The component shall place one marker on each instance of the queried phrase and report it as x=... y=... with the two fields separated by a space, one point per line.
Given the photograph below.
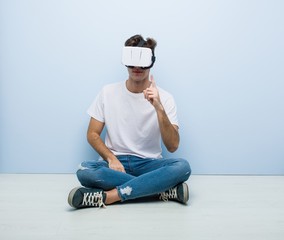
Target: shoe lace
x=94 y=199
x=170 y=194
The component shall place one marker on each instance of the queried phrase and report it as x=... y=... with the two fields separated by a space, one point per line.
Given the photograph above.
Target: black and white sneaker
x=179 y=193
x=81 y=197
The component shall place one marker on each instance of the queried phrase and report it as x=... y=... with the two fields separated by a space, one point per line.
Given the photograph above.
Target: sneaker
x=81 y=197
x=179 y=193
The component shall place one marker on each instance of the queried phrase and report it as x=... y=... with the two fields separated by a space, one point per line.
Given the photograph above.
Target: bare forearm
x=169 y=133
x=97 y=143
x=93 y=135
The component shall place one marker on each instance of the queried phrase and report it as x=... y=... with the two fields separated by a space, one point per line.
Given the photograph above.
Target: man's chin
x=138 y=79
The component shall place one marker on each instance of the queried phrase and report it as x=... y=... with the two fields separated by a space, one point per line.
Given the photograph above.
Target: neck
x=137 y=86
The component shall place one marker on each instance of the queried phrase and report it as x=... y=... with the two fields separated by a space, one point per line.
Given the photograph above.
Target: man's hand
x=116 y=165
x=152 y=94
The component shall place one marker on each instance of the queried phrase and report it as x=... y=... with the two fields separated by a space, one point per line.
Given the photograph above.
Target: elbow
x=173 y=145
x=172 y=148
x=89 y=138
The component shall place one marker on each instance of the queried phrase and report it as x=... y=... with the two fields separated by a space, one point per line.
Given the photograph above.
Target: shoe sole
x=71 y=195
x=186 y=192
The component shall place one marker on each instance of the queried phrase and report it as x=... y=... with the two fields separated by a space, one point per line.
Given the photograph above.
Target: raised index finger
x=153 y=83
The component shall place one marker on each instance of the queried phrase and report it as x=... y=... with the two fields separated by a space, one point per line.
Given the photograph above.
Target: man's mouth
x=137 y=71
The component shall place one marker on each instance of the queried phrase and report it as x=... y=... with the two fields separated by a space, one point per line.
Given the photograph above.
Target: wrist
x=111 y=159
x=159 y=107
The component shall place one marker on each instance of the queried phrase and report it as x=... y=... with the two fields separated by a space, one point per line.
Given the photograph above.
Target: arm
x=93 y=135
x=169 y=132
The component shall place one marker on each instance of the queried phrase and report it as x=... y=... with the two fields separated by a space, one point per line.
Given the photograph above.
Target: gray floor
x=221 y=207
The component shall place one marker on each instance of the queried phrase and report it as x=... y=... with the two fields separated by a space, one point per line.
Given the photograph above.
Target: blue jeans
x=143 y=177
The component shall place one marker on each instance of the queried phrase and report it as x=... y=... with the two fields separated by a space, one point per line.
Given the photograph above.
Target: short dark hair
x=135 y=40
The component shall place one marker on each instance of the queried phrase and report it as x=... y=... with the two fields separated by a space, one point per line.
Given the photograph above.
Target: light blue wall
x=222 y=60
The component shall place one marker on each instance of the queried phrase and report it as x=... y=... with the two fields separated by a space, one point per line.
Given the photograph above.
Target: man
x=137 y=115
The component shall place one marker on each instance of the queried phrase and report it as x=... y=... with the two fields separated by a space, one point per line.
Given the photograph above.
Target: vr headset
x=138 y=56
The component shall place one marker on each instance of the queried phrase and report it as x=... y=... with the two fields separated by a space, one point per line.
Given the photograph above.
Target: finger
x=148 y=94
x=121 y=169
x=153 y=83
x=145 y=93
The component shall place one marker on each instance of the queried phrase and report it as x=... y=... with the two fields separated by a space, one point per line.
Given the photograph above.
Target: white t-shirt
x=131 y=121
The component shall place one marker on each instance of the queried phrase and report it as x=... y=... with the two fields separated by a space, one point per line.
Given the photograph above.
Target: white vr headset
x=138 y=57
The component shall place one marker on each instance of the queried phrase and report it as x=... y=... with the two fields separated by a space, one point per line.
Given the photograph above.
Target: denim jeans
x=143 y=177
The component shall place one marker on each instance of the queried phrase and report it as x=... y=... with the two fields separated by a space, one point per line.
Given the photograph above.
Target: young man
x=137 y=115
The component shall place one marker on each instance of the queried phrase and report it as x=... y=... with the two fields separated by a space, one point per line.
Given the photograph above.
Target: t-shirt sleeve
x=96 y=110
x=171 y=110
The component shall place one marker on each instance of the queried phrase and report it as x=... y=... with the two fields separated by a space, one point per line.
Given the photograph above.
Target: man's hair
x=135 y=40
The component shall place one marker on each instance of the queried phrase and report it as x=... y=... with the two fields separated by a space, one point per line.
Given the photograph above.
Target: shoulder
x=165 y=95
x=112 y=88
